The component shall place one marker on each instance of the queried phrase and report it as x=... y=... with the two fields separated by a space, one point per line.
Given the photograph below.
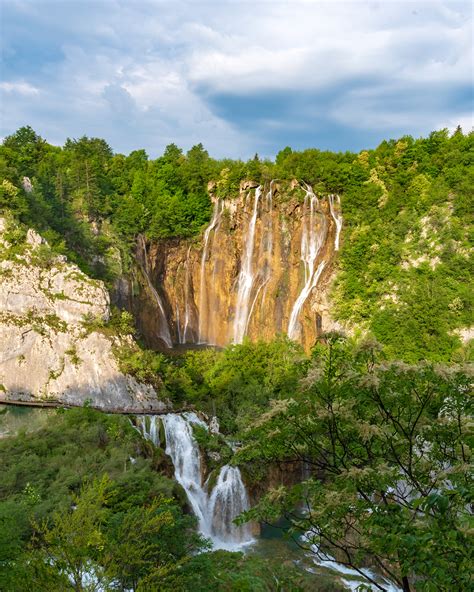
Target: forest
x=380 y=420
x=404 y=268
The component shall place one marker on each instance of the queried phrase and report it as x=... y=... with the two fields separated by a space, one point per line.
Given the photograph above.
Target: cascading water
x=178 y=324
x=257 y=268
x=184 y=452
x=187 y=310
x=216 y=510
x=148 y=426
x=203 y=296
x=266 y=251
x=336 y=217
x=164 y=332
x=363 y=576
x=246 y=276
x=311 y=243
x=228 y=500
x=184 y=332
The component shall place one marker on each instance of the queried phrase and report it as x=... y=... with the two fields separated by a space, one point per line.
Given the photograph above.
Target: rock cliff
x=46 y=351
x=263 y=266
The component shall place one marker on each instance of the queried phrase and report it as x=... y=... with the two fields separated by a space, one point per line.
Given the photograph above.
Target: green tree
x=74 y=540
x=389 y=447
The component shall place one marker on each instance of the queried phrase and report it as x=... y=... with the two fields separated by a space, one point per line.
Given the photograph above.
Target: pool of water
x=17 y=418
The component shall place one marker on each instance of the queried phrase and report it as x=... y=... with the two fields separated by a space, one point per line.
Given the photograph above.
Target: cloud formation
x=238 y=76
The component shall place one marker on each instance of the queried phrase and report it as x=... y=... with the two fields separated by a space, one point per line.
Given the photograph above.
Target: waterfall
x=246 y=275
x=266 y=251
x=228 y=500
x=148 y=426
x=187 y=311
x=214 y=510
x=164 y=332
x=178 y=325
x=311 y=243
x=184 y=452
x=203 y=301
x=337 y=219
x=359 y=577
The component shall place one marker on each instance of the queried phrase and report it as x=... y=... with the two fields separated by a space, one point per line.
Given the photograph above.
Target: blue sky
x=240 y=77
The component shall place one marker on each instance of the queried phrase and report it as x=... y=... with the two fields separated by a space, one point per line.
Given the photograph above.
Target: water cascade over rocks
x=263 y=267
x=336 y=216
x=312 y=239
x=246 y=275
x=360 y=577
x=216 y=509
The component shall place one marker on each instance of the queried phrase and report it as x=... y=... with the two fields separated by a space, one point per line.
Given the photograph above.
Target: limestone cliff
x=46 y=353
x=263 y=266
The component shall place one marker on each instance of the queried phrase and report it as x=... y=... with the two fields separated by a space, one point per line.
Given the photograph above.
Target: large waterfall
x=312 y=239
x=263 y=267
x=215 y=509
x=246 y=275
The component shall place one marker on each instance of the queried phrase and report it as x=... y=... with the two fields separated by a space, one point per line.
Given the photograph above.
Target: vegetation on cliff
x=404 y=263
x=85 y=503
x=387 y=449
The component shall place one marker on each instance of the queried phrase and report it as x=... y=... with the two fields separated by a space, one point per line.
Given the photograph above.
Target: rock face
x=46 y=353
x=263 y=266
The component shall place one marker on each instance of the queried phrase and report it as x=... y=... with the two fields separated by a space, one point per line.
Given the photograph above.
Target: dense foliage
x=234 y=383
x=405 y=263
x=85 y=504
x=388 y=447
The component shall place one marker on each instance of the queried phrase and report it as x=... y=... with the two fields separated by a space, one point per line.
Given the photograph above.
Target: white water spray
x=336 y=216
x=246 y=276
x=148 y=426
x=214 y=510
x=184 y=452
x=362 y=577
x=228 y=500
x=311 y=243
x=187 y=310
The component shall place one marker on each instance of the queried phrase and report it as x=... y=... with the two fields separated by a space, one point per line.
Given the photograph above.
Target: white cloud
x=145 y=73
x=465 y=120
x=19 y=88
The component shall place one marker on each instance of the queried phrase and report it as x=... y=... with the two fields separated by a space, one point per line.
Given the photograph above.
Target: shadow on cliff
x=110 y=398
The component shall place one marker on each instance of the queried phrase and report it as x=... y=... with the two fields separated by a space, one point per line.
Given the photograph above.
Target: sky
x=240 y=77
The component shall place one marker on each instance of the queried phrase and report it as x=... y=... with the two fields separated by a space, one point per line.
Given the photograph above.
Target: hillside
x=402 y=271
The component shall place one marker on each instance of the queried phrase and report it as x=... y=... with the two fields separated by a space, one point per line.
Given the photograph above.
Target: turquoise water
x=16 y=418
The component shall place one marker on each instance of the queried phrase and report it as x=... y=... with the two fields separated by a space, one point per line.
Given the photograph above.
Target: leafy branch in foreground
x=389 y=449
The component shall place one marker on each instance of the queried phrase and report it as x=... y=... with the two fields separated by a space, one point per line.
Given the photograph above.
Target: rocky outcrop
x=263 y=266
x=47 y=351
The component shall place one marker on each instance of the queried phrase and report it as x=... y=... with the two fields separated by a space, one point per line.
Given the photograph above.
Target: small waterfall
x=149 y=427
x=228 y=500
x=178 y=324
x=187 y=310
x=164 y=332
x=311 y=243
x=246 y=275
x=203 y=296
x=214 y=510
x=266 y=252
x=184 y=452
x=336 y=217
x=358 y=577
